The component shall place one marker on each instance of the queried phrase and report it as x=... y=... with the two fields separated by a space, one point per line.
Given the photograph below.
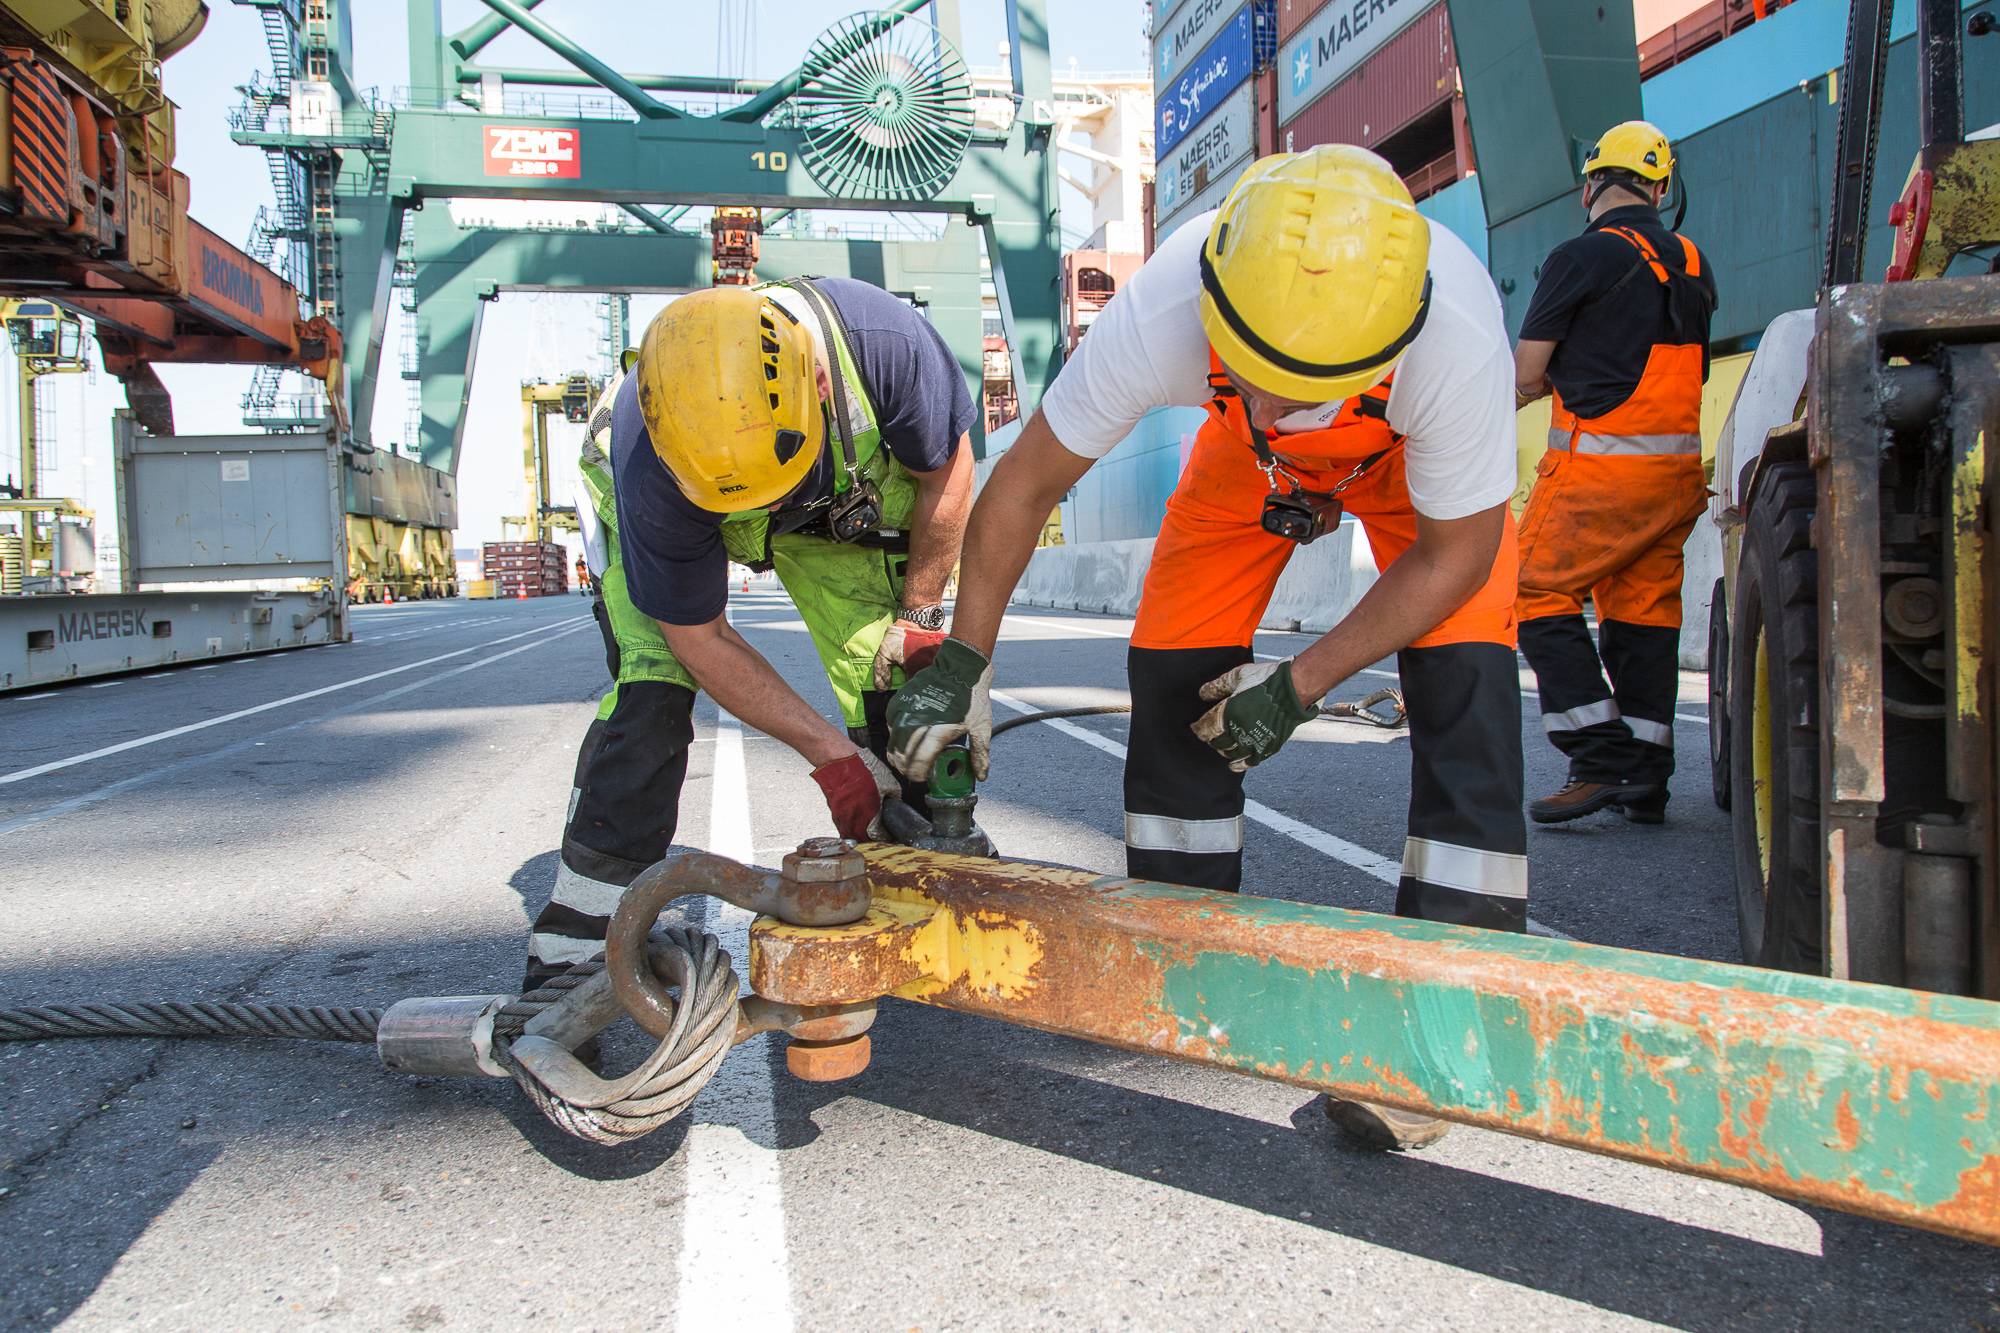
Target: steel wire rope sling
x=1363 y=709
x=677 y=983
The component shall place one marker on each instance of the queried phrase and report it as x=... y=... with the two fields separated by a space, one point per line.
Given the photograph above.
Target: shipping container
x=1399 y=103
x=1292 y=15
x=1206 y=82
x=1267 y=140
x=1177 y=40
x=1338 y=38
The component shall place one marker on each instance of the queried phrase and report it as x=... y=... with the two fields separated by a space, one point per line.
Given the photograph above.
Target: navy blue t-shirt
x=675 y=567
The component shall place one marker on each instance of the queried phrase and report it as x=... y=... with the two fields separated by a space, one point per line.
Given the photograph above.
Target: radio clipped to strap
x=855 y=511
x=1290 y=510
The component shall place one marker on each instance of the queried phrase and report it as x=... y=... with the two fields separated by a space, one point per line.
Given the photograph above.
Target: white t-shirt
x=1453 y=395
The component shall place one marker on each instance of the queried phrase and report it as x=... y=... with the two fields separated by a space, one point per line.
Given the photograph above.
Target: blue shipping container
x=1210 y=77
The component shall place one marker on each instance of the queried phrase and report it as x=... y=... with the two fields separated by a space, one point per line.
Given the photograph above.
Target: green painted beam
x=472 y=39
x=1543 y=78
x=576 y=78
x=460 y=271
x=369 y=230
x=1870 y=1099
x=652 y=220
x=565 y=47
x=1028 y=60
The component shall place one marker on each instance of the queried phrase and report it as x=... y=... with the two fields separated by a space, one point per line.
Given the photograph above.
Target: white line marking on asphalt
x=210 y=667
x=46 y=694
x=1367 y=862
x=106 y=684
x=21 y=774
x=77 y=802
x=735 y=1267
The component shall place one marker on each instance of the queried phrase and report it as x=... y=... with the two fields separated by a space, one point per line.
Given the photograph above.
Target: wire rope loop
x=703 y=987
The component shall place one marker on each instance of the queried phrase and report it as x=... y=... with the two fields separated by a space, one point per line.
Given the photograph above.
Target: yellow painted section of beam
x=1968 y=486
x=988 y=952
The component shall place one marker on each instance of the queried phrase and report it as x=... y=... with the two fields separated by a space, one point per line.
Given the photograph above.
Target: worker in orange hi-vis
x=1353 y=360
x=1618 y=331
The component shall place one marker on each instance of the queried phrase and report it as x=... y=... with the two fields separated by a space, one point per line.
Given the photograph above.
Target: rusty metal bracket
x=1869 y=1099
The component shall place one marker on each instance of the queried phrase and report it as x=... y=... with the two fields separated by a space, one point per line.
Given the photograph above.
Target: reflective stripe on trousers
x=1606 y=710
x=1625 y=446
x=581 y=893
x=1652 y=733
x=1466 y=869
x=1576 y=719
x=1163 y=833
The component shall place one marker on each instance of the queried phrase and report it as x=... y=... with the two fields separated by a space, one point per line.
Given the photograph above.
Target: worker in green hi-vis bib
x=817 y=428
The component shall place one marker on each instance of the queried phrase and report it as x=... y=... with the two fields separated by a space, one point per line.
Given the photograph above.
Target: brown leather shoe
x=1579 y=797
x=1384 y=1128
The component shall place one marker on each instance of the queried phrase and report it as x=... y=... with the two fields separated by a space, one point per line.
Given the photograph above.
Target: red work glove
x=905 y=646
x=855 y=788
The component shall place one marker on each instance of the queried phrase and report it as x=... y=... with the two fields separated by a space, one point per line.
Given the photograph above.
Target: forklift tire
x=1718 y=695
x=1774 y=737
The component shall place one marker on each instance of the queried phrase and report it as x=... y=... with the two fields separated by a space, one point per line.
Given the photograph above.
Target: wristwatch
x=924 y=617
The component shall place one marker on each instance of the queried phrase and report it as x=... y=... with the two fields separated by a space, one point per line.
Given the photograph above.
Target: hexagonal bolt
x=827 y=1061
x=824 y=861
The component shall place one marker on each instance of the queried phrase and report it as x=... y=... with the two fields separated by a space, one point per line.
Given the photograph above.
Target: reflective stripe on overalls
x=1212 y=574
x=625 y=799
x=1614 y=500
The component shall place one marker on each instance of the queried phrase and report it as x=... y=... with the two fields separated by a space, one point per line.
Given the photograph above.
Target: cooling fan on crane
x=886 y=108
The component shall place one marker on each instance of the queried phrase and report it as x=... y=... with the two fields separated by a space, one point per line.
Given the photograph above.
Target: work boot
x=1646 y=809
x=1580 y=797
x=1383 y=1128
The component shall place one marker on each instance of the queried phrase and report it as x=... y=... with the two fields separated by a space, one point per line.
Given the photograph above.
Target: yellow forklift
x=1852 y=640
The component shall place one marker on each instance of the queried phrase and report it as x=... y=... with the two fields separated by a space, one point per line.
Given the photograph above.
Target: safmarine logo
x=1220 y=68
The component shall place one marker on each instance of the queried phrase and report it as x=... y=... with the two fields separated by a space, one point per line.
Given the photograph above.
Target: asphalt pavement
x=356 y=824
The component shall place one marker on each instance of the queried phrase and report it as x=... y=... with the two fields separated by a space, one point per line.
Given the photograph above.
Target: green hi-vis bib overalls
x=625 y=802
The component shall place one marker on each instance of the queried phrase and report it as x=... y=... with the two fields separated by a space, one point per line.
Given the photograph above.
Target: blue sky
x=527 y=336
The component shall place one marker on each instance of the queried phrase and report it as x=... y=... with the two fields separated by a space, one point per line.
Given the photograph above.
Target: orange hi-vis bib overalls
x=1213 y=571
x=1614 y=500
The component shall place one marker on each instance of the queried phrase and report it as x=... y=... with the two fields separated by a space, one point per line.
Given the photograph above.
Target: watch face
x=928 y=617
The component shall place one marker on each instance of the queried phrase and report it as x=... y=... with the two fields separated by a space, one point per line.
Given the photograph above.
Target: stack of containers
x=1205 y=100
x=525 y=569
x=1362 y=73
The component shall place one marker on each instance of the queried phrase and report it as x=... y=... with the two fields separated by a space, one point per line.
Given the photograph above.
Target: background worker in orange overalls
x=1351 y=355
x=1618 y=328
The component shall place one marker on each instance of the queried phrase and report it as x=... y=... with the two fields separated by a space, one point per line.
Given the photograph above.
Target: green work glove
x=1256 y=711
x=948 y=699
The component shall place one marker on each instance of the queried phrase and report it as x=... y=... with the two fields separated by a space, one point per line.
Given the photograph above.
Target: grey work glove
x=950 y=698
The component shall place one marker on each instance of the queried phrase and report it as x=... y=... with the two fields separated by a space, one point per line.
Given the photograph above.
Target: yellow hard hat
x=1636 y=146
x=1315 y=273
x=727 y=388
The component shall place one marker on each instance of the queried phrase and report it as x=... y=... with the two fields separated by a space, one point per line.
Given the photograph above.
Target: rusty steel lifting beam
x=1868 y=1099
